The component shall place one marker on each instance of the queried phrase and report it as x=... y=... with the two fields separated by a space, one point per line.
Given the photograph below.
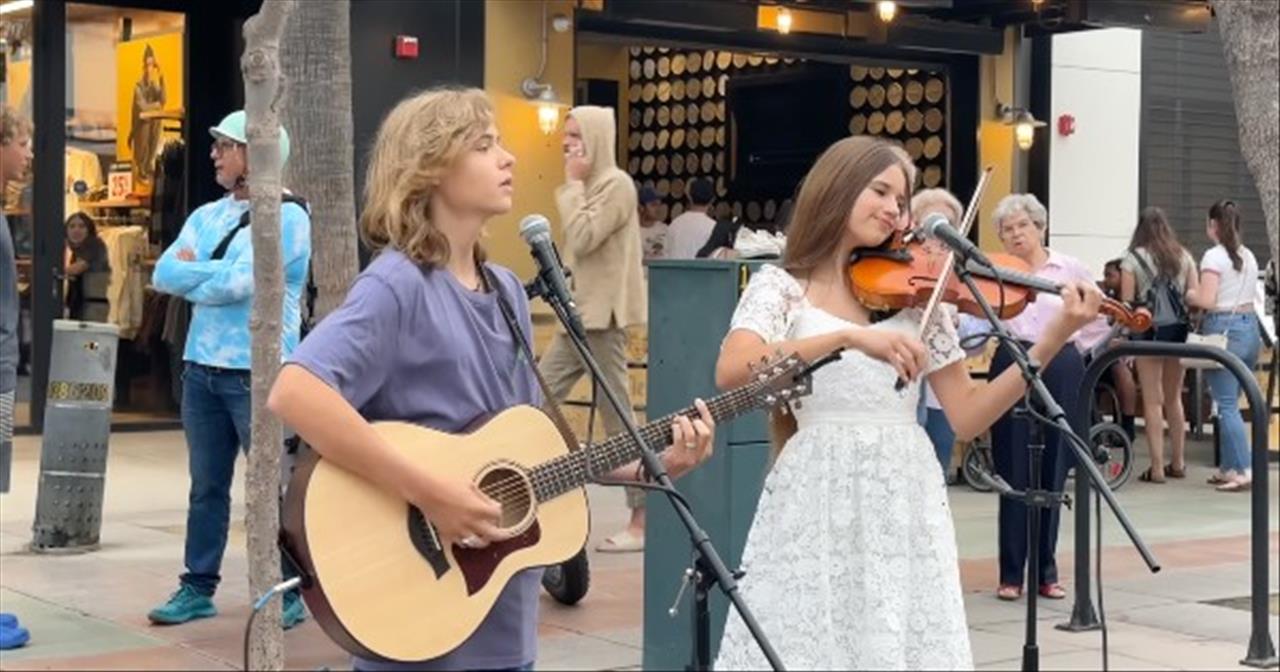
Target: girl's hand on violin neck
x=904 y=352
x=1080 y=304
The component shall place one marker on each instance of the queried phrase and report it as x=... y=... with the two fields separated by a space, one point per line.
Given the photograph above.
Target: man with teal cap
x=210 y=265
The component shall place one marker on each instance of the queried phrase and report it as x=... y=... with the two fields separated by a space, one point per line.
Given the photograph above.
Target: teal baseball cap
x=232 y=127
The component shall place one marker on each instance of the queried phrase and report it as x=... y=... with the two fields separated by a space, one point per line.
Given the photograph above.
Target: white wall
x=1093 y=173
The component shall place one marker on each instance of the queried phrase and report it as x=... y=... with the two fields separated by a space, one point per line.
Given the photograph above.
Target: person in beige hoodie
x=597 y=206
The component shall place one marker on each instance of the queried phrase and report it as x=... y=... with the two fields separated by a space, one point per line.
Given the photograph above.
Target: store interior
x=754 y=123
x=125 y=161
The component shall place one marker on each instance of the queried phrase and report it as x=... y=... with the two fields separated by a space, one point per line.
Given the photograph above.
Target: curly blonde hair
x=418 y=143
x=12 y=125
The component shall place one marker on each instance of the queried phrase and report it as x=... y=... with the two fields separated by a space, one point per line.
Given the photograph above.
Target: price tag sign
x=119 y=185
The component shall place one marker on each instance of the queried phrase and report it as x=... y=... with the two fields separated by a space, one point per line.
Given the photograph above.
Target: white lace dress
x=851 y=560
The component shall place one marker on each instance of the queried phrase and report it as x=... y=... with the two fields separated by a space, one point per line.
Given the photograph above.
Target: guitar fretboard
x=568 y=472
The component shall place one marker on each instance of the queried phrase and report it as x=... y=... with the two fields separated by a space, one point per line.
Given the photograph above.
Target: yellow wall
x=608 y=61
x=512 y=49
x=995 y=140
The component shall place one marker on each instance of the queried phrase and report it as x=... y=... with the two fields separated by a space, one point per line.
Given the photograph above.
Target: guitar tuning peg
x=798 y=404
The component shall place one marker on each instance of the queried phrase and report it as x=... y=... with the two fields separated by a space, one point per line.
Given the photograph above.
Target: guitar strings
x=561 y=471
x=511 y=490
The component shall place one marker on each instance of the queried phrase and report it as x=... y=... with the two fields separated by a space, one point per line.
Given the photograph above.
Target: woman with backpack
x=1227 y=291
x=1156 y=273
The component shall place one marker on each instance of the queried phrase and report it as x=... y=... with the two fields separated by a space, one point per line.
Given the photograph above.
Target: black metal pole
x=701 y=615
x=1262 y=651
x=49 y=103
x=1030 y=648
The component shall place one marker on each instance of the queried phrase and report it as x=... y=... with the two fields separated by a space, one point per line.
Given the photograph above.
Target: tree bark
x=317 y=65
x=264 y=92
x=1249 y=41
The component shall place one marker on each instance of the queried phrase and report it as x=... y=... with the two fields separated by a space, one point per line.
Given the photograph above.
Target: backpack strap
x=221 y=250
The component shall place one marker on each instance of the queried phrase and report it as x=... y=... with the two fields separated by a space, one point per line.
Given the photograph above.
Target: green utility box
x=690 y=305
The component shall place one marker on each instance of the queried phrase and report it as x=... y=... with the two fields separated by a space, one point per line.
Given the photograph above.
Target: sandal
x=1009 y=592
x=1053 y=591
x=1236 y=486
x=1146 y=477
x=1170 y=472
x=622 y=542
x=1218 y=478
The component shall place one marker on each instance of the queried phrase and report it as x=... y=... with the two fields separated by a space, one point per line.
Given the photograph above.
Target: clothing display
x=83 y=175
x=169 y=194
x=126 y=248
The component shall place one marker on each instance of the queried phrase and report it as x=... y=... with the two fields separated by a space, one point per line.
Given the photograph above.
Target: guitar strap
x=549 y=402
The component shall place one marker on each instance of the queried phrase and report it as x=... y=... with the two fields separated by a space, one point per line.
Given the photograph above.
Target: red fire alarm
x=406 y=47
x=1066 y=124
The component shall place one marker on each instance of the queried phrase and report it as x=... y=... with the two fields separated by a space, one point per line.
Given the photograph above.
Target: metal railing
x=1262 y=650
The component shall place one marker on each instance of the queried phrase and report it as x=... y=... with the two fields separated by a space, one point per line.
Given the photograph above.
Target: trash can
x=77 y=425
x=690 y=306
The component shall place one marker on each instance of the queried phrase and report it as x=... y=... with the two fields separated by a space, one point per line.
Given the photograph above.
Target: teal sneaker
x=184 y=605
x=292 y=611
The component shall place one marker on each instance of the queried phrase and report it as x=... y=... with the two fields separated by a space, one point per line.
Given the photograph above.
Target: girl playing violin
x=851 y=560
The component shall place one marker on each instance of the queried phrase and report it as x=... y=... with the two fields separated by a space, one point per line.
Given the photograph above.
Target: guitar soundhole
x=511 y=489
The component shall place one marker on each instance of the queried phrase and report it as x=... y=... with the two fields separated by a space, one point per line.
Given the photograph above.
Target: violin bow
x=948 y=266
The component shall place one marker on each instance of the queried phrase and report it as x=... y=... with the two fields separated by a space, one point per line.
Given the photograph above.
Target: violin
x=905 y=275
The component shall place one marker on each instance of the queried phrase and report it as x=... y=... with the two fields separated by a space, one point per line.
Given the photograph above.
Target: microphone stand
x=708 y=568
x=1034 y=497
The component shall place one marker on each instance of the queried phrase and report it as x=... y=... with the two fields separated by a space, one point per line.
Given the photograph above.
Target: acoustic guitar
x=375 y=573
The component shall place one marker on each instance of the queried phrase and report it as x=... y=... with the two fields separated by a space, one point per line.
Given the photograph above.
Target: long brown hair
x=1227 y=217
x=418 y=143
x=826 y=197
x=1154 y=235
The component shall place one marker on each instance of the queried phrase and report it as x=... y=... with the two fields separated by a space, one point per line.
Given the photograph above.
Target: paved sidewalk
x=88 y=611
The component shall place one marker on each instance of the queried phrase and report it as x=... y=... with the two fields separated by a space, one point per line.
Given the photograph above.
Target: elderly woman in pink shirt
x=1022 y=224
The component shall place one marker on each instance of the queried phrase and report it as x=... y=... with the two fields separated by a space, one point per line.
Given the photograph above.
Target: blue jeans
x=216 y=409
x=1243 y=341
x=942 y=437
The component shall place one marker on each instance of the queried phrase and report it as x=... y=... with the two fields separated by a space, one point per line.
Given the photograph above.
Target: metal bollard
x=73 y=453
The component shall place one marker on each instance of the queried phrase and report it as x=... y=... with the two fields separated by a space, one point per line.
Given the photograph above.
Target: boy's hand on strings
x=461 y=513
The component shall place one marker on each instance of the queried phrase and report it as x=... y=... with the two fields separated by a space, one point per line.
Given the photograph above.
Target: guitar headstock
x=779 y=379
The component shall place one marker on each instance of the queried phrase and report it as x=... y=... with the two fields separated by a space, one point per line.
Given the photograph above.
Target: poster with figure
x=150 y=79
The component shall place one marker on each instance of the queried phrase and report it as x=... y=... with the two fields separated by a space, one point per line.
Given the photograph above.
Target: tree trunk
x=264 y=91
x=317 y=65
x=1249 y=41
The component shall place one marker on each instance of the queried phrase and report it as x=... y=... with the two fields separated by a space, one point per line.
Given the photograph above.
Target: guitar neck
x=569 y=472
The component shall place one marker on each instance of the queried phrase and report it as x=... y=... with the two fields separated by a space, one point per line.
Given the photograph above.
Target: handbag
x=1211 y=340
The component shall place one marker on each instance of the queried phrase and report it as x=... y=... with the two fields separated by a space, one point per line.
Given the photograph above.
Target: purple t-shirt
x=419 y=347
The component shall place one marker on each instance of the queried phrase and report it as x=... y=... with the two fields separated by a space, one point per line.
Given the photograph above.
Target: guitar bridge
x=427 y=542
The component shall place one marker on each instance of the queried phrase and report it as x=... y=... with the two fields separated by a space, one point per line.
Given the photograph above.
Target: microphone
x=937 y=227
x=536 y=231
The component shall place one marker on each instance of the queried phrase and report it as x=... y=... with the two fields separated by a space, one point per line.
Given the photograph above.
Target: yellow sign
x=149 y=75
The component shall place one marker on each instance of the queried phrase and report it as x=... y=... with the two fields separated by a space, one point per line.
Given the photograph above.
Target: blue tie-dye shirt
x=221 y=290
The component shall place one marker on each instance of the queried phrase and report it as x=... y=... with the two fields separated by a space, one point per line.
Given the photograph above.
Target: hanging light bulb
x=886 y=10
x=784 y=20
x=548 y=117
x=1024 y=130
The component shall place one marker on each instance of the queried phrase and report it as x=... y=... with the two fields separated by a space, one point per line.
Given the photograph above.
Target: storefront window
x=124 y=191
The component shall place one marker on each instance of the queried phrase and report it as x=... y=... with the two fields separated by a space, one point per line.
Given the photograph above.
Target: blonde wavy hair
x=418 y=144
